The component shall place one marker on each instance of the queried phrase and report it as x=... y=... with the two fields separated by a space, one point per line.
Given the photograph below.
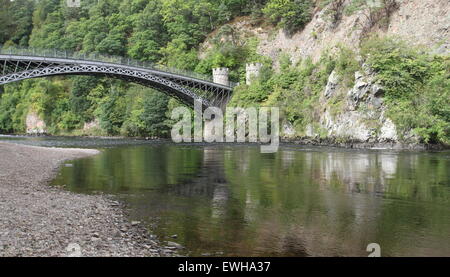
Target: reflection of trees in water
x=297 y=203
x=209 y=182
x=205 y=180
x=333 y=200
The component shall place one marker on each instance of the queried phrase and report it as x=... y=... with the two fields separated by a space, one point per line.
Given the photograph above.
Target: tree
x=154 y=114
x=166 y=32
x=16 y=21
x=289 y=14
x=5 y=21
x=149 y=34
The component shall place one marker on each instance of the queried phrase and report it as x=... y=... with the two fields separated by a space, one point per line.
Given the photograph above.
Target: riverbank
x=39 y=220
x=350 y=144
x=328 y=142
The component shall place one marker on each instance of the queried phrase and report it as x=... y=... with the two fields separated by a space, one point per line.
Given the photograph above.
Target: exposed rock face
x=347 y=125
x=332 y=84
x=423 y=22
x=419 y=22
x=34 y=124
x=288 y=130
x=94 y=124
x=430 y=28
x=362 y=117
x=366 y=91
x=388 y=131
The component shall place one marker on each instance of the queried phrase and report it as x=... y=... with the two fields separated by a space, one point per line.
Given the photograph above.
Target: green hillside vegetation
x=170 y=32
x=417 y=87
x=165 y=32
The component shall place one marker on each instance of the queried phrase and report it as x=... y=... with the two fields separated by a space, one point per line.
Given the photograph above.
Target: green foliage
x=346 y=65
x=178 y=55
x=233 y=54
x=13 y=109
x=295 y=89
x=68 y=121
x=247 y=96
x=376 y=12
x=289 y=14
x=417 y=87
x=154 y=115
x=169 y=32
x=149 y=33
x=16 y=21
x=79 y=100
x=161 y=31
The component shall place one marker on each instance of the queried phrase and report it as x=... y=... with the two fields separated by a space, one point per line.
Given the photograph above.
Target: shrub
x=376 y=12
x=336 y=9
x=291 y=15
x=417 y=87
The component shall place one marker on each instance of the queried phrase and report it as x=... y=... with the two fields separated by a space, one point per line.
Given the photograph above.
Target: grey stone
x=377 y=90
x=332 y=84
x=174 y=244
x=377 y=102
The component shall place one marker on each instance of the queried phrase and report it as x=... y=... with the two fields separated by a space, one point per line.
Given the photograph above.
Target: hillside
x=341 y=70
x=335 y=78
x=423 y=23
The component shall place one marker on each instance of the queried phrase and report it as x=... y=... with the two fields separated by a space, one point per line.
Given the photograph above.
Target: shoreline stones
x=37 y=220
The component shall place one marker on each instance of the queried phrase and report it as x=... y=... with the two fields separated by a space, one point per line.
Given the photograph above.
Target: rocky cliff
x=419 y=22
x=357 y=114
x=35 y=125
x=359 y=117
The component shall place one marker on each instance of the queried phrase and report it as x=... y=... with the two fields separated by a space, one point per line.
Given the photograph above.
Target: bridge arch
x=188 y=89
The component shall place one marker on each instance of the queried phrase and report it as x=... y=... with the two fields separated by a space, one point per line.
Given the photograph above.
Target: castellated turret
x=252 y=71
x=221 y=76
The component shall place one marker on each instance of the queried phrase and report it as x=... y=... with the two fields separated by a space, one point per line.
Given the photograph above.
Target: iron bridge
x=187 y=87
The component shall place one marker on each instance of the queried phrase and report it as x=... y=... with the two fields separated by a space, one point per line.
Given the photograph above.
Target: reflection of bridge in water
x=207 y=180
x=188 y=87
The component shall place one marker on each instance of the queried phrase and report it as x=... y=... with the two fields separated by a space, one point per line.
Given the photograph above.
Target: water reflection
x=232 y=200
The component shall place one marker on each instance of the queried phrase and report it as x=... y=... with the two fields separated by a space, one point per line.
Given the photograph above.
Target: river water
x=231 y=200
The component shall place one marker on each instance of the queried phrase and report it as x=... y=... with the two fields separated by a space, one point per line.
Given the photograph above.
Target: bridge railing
x=96 y=57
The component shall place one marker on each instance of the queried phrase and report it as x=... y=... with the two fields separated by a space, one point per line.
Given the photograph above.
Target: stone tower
x=220 y=76
x=252 y=71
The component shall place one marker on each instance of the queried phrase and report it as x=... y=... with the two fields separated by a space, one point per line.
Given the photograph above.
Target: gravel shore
x=39 y=220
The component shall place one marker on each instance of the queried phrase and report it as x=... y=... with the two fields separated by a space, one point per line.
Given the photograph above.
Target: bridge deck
x=16 y=65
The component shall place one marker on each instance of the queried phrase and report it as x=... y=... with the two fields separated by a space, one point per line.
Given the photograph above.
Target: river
x=231 y=200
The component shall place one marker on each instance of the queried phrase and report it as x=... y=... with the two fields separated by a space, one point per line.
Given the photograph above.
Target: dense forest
x=160 y=31
x=170 y=32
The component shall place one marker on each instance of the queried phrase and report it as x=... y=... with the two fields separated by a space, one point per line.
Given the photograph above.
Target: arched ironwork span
x=188 y=89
